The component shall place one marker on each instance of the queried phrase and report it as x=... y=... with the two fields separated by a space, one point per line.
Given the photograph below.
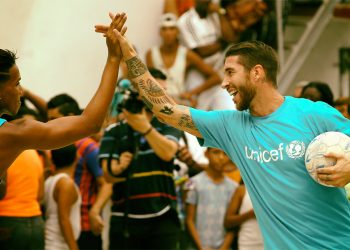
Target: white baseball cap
x=168 y=20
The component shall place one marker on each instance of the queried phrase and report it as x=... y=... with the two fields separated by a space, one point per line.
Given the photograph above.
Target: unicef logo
x=295 y=149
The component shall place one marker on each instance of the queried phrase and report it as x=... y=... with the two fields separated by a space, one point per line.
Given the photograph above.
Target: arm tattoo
x=147 y=103
x=135 y=67
x=167 y=110
x=186 y=121
x=155 y=94
x=151 y=88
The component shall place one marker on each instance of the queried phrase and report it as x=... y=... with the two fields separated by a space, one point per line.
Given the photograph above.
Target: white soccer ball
x=325 y=143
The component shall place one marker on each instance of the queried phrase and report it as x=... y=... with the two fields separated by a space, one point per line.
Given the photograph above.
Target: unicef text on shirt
x=295 y=149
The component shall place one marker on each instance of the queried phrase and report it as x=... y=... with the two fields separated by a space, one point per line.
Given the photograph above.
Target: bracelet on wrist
x=147 y=131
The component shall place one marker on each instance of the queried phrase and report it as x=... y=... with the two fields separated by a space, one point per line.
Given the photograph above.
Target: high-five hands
x=117 y=24
x=101 y=28
x=115 y=31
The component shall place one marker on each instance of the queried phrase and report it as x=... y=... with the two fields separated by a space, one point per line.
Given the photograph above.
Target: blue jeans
x=22 y=233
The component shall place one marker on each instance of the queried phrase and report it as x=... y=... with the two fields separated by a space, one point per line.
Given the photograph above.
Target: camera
x=128 y=98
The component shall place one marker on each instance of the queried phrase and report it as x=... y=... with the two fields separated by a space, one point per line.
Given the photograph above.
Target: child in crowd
x=62 y=202
x=209 y=194
x=240 y=214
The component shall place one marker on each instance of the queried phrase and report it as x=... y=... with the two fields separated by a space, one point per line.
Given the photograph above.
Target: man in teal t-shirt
x=293 y=211
x=266 y=138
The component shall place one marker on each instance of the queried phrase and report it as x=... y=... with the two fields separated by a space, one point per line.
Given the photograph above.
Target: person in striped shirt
x=137 y=155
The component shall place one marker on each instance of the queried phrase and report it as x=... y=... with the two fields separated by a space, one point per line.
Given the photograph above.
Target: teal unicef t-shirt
x=293 y=211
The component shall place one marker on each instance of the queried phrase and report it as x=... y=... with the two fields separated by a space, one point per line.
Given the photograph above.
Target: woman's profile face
x=11 y=92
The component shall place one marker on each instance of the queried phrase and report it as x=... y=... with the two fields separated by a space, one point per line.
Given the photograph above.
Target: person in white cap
x=175 y=60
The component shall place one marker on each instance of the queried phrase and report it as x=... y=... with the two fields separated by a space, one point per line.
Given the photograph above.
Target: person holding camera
x=137 y=155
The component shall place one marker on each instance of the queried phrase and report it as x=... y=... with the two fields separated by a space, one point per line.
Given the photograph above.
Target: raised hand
x=127 y=49
x=101 y=28
x=117 y=23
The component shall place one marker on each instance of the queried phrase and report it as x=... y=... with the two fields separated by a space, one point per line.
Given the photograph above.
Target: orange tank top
x=23 y=180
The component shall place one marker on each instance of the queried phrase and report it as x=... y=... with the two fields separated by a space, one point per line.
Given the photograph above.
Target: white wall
x=322 y=63
x=57 y=47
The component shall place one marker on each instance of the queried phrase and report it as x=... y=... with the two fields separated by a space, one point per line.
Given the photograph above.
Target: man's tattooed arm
x=157 y=100
x=168 y=110
x=186 y=122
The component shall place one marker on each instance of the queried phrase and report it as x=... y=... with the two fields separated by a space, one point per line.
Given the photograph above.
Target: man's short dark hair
x=252 y=53
x=64 y=157
x=7 y=60
x=66 y=104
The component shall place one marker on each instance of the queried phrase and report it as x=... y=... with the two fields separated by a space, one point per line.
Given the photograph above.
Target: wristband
x=147 y=132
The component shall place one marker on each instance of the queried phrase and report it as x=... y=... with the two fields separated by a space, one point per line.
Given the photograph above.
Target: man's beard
x=246 y=93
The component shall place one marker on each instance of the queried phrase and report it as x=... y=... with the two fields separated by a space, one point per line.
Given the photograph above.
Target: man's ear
x=257 y=73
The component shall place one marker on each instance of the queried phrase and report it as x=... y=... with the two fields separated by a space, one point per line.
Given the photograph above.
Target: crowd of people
x=192 y=146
